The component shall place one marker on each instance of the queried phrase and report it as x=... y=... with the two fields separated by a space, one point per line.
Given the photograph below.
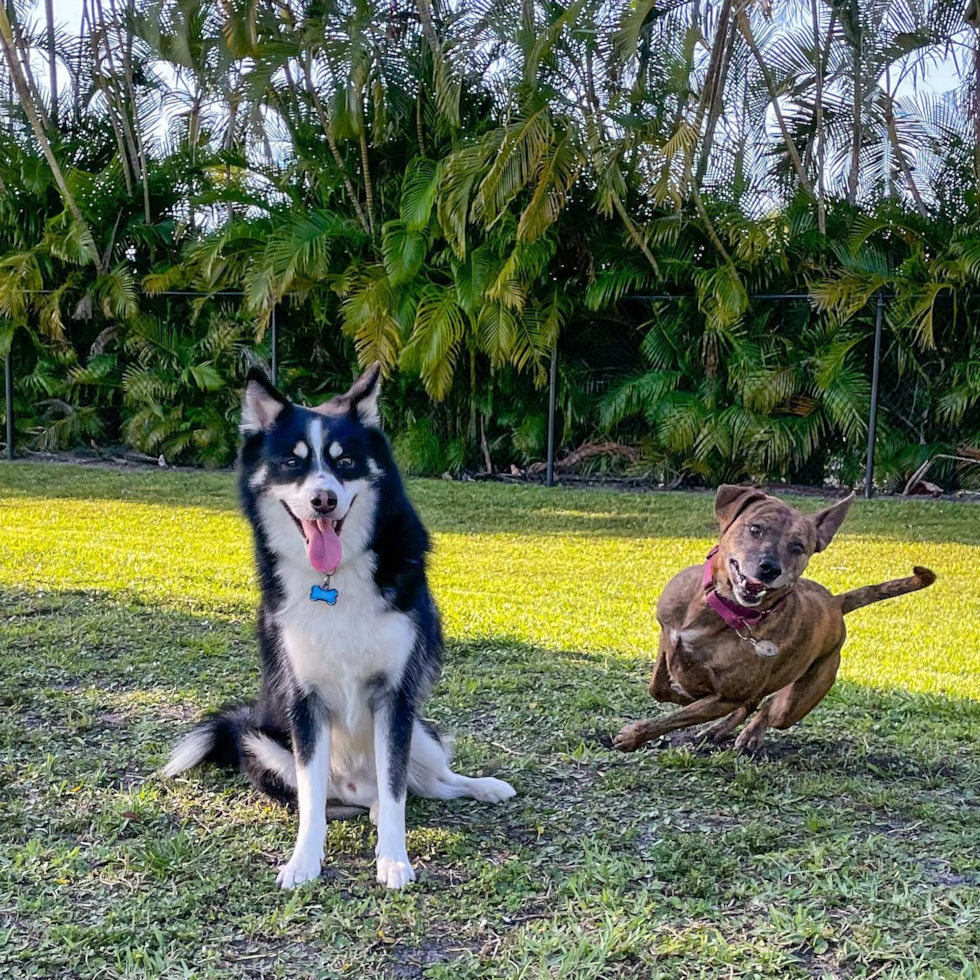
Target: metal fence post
x=8 y=383
x=552 y=398
x=869 y=472
x=274 y=343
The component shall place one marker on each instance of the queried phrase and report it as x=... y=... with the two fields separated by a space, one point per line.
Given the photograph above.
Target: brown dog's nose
x=323 y=501
x=769 y=570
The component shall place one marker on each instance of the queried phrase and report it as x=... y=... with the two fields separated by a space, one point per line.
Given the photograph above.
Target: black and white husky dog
x=349 y=633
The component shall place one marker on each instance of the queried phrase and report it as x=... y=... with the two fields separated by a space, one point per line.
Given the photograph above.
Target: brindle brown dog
x=745 y=626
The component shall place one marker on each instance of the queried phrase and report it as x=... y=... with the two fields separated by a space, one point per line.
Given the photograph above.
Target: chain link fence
x=868 y=348
x=901 y=391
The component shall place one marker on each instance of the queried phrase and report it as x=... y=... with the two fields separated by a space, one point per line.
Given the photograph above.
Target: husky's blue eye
x=292 y=462
x=345 y=462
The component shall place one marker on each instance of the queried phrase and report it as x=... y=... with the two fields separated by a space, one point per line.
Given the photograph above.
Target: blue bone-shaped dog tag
x=318 y=593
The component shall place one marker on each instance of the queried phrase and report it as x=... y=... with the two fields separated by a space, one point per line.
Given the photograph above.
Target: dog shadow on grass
x=162 y=667
x=100 y=688
x=93 y=690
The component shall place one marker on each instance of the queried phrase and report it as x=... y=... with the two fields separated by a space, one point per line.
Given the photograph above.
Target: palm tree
x=456 y=188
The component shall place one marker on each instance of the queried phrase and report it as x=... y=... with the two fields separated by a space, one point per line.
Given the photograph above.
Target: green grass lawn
x=853 y=851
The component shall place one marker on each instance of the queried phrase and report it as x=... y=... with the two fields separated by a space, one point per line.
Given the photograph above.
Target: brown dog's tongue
x=323 y=546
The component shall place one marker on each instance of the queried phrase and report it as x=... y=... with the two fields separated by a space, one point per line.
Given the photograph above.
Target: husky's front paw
x=490 y=790
x=301 y=868
x=395 y=872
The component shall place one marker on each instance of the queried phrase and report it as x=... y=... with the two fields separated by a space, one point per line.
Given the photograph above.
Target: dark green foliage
x=455 y=191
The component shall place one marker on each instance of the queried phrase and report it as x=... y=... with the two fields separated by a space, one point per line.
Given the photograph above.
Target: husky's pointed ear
x=363 y=396
x=261 y=404
x=732 y=500
x=828 y=521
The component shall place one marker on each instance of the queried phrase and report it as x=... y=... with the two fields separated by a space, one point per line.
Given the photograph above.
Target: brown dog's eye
x=755 y=530
x=797 y=548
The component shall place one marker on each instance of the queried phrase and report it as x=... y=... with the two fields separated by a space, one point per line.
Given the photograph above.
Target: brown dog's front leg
x=752 y=738
x=638 y=733
x=720 y=731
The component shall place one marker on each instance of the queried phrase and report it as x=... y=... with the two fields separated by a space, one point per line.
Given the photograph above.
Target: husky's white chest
x=336 y=649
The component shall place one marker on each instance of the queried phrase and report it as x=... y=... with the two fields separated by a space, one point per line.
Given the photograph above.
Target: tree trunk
x=131 y=97
x=472 y=431
x=23 y=93
x=818 y=63
x=527 y=20
x=116 y=131
x=794 y=155
x=52 y=60
x=292 y=86
x=425 y=15
x=117 y=102
x=976 y=101
x=332 y=143
x=715 y=103
x=856 y=130
x=714 y=62
x=84 y=31
x=903 y=163
x=228 y=144
x=634 y=233
x=487 y=462
x=23 y=50
x=124 y=160
x=366 y=169
x=702 y=212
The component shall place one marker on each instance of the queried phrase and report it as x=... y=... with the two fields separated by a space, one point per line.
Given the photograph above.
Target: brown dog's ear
x=732 y=500
x=828 y=521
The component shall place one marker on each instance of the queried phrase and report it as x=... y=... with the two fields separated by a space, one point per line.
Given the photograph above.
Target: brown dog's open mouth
x=748 y=591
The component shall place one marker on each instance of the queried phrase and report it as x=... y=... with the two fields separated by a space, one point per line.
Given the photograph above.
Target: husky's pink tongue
x=322 y=545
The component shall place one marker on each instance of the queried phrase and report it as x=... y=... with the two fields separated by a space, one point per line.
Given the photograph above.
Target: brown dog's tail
x=921 y=578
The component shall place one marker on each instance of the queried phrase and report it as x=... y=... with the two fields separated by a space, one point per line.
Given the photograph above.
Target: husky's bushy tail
x=232 y=737
x=921 y=578
x=216 y=739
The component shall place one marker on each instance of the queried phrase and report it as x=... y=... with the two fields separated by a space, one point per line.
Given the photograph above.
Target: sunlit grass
x=578 y=577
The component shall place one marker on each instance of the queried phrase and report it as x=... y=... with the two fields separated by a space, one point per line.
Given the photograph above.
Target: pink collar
x=736 y=616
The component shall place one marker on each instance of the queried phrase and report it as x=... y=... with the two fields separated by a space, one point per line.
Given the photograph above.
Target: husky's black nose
x=323 y=501
x=769 y=570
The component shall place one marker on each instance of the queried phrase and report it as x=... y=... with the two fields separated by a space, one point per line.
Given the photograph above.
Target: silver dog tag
x=765 y=648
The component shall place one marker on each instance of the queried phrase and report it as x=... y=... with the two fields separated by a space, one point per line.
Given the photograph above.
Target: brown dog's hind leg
x=662 y=686
x=637 y=733
x=722 y=729
x=790 y=703
x=795 y=701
